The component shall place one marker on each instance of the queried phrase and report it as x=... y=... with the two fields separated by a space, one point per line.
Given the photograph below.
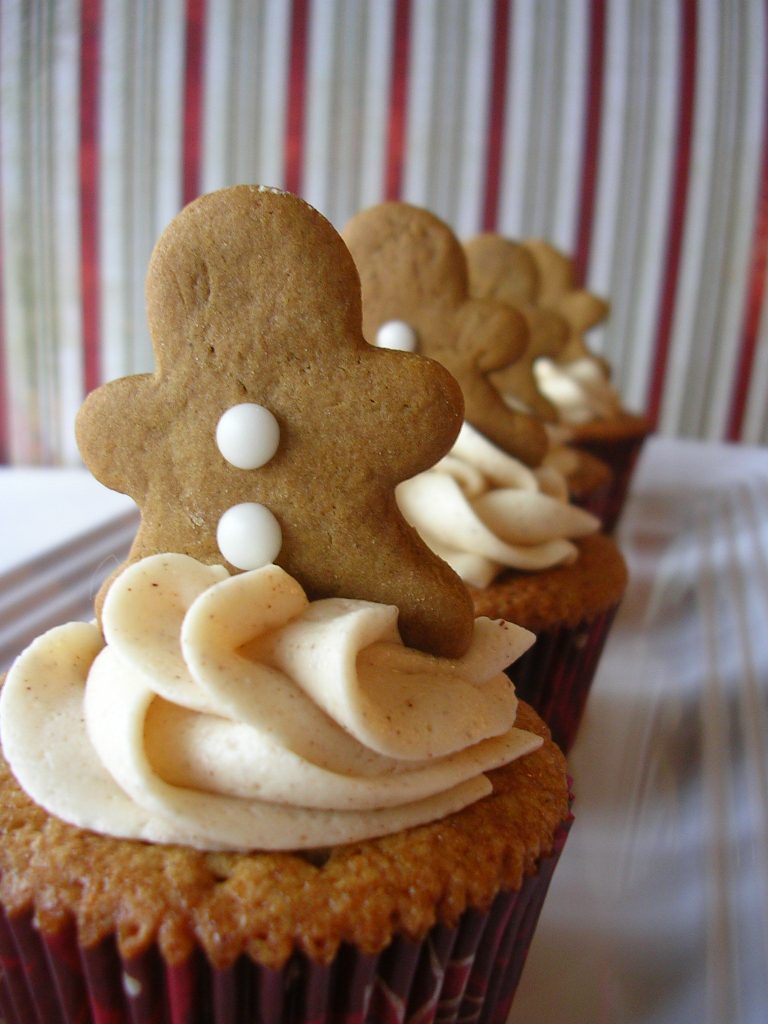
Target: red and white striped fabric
x=633 y=135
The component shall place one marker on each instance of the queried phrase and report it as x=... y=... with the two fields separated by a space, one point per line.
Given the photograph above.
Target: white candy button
x=396 y=334
x=247 y=435
x=249 y=536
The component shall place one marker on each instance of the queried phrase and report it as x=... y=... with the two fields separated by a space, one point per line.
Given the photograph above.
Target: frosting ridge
x=481 y=510
x=580 y=389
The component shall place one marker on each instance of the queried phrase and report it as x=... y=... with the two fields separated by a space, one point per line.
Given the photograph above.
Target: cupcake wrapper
x=554 y=676
x=599 y=501
x=468 y=973
x=621 y=457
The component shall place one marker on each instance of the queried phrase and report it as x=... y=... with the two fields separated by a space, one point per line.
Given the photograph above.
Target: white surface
x=43 y=508
x=658 y=911
x=62 y=535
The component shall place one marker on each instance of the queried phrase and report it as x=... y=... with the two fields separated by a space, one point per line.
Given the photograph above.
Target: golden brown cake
x=272 y=905
x=562 y=596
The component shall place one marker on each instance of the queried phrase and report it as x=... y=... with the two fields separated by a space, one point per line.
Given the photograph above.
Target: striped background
x=632 y=133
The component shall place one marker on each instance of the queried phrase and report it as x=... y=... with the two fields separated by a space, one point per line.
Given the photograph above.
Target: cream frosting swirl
x=580 y=389
x=231 y=713
x=481 y=510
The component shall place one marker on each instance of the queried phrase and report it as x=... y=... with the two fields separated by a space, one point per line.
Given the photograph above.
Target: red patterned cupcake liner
x=468 y=973
x=621 y=457
x=599 y=501
x=555 y=675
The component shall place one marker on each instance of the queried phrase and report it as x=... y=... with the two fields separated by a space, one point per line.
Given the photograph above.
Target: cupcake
x=507 y=272
x=529 y=557
x=578 y=381
x=492 y=508
x=257 y=786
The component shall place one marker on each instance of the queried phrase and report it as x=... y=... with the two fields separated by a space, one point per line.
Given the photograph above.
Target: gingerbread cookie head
x=557 y=291
x=505 y=271
x=270 y=430
x=501 y=269
x=415 y=286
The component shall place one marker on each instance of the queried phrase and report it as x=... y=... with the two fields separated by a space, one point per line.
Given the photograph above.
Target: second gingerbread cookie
x=414 y=273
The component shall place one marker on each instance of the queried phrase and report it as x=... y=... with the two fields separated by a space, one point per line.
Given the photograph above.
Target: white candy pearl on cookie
x=397 y=334
x=249 y=536
x=247 y=435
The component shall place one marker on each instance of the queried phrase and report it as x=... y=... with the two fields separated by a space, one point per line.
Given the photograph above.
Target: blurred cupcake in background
x=492 y=508
x=507 y=272
x=578 y=382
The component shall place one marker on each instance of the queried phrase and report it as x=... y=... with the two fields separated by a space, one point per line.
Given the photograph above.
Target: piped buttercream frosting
x=482 y=511
x=232 y=713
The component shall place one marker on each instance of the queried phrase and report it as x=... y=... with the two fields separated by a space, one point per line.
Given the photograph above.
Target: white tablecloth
x=62 y=533
x=658 y=912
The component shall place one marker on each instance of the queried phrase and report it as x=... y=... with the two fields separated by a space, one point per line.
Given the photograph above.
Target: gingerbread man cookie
x=506 y=271
x=557 y=291
x=416 y=295
x=270 y=430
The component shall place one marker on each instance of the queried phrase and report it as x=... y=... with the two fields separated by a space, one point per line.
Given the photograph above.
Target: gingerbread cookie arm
x=113 y=448
x=518 y=383
x=582 y=310
x=494 y=336
x=548 y=335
